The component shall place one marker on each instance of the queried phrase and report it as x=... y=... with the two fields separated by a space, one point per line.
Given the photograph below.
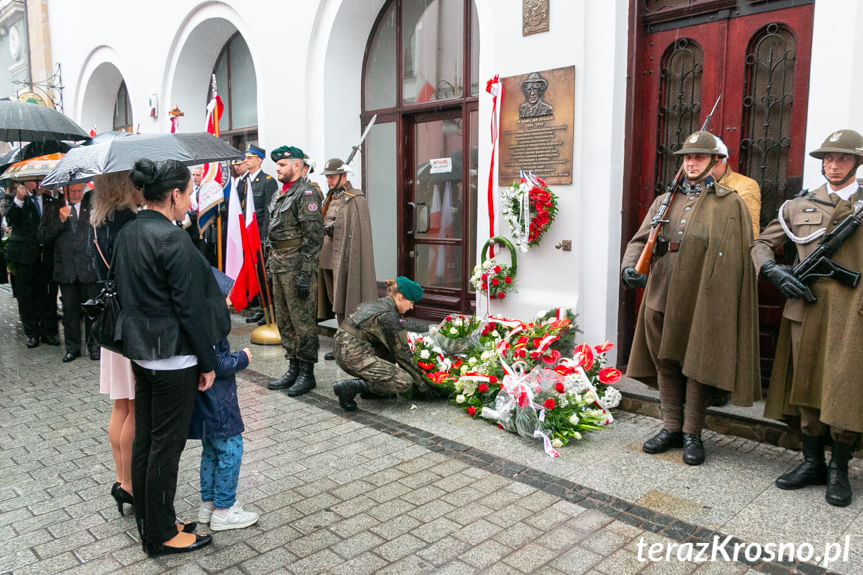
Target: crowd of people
x=696 y=332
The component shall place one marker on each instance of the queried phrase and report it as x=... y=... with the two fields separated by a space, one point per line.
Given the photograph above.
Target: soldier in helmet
x=347 y=268
x=747 y=188
x=816 y=373
x=697 y=328
x=372 y=345
x=295 y=238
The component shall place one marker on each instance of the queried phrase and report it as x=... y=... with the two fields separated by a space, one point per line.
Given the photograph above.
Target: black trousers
x=74 y=294
x=37 y=299
x=164 y=401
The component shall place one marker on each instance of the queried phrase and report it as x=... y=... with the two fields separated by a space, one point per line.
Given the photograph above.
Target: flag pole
x=219 y=240
x=266 y=289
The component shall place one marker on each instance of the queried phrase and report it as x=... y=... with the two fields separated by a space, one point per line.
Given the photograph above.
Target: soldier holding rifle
x=697 y=328
x=816 y=374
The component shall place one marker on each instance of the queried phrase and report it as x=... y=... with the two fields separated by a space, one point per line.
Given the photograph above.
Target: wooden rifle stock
x=643 y=264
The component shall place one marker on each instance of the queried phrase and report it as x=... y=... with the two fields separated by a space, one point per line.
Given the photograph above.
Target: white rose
x=576 y=436
x=576 y=398
x=453 y=331
x=556 y=443
x=459 y=398
x=486 y=355
x=573 y=419
x=425 y=354
x=472 y=360
x=590 y=397
x=495 y=334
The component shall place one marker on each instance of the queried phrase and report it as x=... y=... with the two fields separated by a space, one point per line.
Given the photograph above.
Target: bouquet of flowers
x=530 y=208
x=493 y=277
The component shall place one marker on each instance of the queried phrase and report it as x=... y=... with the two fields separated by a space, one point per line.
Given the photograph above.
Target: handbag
x=103 y=311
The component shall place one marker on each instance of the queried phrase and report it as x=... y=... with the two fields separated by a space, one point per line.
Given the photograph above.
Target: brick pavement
x=338 y=493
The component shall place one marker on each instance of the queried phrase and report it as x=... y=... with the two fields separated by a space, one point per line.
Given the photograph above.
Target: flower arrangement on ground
x=527 y=378
x=530 y=208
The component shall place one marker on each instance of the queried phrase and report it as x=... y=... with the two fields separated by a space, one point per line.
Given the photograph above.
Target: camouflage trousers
x=358 y=359
x=295 y=317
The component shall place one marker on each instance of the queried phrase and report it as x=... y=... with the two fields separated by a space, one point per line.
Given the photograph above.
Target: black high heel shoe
x=157 y=549
x=121 y=496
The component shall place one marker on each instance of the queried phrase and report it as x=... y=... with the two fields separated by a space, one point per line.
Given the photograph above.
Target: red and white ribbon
x=495 y=88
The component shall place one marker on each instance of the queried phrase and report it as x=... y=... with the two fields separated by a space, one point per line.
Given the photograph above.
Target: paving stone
x=309 y=544
x=399 y=547
x=357 y=544
x=604 y=542
x=517 y=535
x=264 y=563
x=365 y=564
x=353 y=525
x=576 y=561
x=431 y=531
x=395 y=527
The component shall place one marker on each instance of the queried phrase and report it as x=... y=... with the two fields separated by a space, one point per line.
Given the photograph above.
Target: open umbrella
x=83 y=163
x=32 y=169
x=25 y=122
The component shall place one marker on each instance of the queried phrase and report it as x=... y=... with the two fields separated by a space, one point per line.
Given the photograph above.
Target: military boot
x=347 y=389
x=305 y=380
x=289 y=377
x=663 y=441
x=813 y=470
x=838 y=486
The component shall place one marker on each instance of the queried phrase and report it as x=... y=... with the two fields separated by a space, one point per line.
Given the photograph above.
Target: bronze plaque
x=536 y=131
x=534 y=17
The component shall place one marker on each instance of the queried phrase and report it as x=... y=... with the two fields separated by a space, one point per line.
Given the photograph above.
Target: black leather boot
x=663 y=441
x=305 y=380
x=813 y=470
x=288 y=378
x=329 y=356
x=838 y=486
x=693 y=449
x=346 y=390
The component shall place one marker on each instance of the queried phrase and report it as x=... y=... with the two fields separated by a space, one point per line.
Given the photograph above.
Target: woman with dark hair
x=114 y=203
x=172 y=315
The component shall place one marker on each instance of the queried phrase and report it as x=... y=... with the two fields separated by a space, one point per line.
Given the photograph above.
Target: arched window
x=122 y=110
x=680 y=105
x=237 y=85
x=420 y=77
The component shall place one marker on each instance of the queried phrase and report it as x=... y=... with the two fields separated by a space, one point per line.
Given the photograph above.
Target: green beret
x=409 y=288
x=286 y=153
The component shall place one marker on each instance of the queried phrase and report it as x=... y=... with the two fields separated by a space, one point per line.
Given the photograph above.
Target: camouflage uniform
x=371 y=344
x=294 y=242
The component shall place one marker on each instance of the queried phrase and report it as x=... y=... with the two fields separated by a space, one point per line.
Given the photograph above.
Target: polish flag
x=247 y=285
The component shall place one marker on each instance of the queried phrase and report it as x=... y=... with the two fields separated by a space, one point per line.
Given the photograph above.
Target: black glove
x=633 y=279
x=329 y=231
x=304 y=282
x=782 y=278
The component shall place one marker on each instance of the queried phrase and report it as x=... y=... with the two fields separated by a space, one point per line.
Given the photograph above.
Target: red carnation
x=482 y=388
x=495 y=282
x=484 y=277
x=492 y=379
x=549 y=403
x=484 y=286
x=507 y=279
x=559 y=387
x=497 y=269
x=500 y=295
x=448 y=318
x=471 y=410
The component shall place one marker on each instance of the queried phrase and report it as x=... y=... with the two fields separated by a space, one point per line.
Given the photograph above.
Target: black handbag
x=103 y=311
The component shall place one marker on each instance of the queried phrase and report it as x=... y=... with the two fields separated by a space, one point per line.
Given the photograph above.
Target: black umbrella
x=33 y=150
x=25 y=122
x=83 y=163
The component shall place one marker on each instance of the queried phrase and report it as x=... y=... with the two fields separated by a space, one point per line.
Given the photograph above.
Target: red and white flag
x=247 y=285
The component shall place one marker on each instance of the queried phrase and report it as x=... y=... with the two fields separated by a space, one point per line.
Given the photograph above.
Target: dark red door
x=759 y=63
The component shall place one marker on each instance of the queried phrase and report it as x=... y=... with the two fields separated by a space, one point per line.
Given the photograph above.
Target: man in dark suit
x=67 y=223
x=33 y=265
x=261 y=186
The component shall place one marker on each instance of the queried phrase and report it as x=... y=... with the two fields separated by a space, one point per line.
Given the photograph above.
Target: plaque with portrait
x=536 y=131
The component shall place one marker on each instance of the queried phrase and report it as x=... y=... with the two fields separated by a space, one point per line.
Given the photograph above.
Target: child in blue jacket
x=217 y=422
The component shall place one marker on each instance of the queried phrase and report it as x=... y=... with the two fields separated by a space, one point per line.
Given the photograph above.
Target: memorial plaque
x=536 y=131
x=534 y=17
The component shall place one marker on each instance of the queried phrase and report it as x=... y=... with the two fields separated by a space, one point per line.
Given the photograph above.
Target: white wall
x=592 y=36
x=836 y=78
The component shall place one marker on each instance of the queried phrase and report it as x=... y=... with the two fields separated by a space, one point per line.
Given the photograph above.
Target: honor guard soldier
x=372 y=345
x=294 y=240
x=816 y=372
x=347 y=268
x=263 y=186
x=747 y=188
x=697 y=328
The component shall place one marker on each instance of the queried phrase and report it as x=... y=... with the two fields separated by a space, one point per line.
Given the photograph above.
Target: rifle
x=355 y=149
x=819 y=265
x=643 y=263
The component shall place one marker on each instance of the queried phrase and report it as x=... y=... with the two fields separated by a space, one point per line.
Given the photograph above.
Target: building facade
x=313 y=73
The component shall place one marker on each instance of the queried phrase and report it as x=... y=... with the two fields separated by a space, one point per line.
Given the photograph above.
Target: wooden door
x=683 y=60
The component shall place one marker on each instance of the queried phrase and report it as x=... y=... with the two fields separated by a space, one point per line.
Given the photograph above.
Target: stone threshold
x=746 y=422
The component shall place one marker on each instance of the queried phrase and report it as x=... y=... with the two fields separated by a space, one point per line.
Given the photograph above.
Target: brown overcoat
x=711 y=317
x=353 y=258
x=827 y=373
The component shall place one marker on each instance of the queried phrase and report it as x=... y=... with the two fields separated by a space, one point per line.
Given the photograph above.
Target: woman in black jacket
x=172 y=315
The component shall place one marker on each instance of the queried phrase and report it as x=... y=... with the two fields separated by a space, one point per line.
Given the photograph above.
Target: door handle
x=413 y=218
x=425 y=211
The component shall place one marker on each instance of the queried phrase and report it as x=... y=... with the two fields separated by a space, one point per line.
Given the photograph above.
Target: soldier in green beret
x=294 y=243
x=372 y=345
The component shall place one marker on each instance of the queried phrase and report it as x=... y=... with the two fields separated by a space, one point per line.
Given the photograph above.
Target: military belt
x=664 y=246
x=285 y=244
x=347 y=327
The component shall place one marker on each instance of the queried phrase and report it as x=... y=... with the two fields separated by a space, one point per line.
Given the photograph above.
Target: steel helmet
x=702 y=142
x=840 y=142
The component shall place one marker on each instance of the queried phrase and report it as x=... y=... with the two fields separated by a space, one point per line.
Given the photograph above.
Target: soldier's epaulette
x=350 y=195
x=804 y=192
x=723 y=187
x=810 y=196
x=269 y=177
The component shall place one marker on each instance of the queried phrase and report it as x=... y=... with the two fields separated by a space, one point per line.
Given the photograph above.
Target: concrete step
x=746 y=422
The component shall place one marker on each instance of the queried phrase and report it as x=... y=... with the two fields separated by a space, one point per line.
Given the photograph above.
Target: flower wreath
x=494 y=277
x=530 y=197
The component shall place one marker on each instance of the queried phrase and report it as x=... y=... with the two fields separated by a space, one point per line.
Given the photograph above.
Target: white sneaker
x=205 y=511
x=233 y=518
